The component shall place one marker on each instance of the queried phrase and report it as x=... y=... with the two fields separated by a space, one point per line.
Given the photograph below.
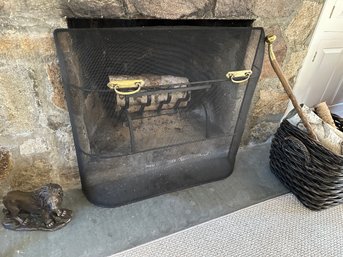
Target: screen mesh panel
x=169 y=135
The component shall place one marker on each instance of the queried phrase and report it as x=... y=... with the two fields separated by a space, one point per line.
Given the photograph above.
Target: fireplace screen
x=156 y=109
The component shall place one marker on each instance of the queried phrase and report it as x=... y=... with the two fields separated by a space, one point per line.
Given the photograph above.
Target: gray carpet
x=277 y=227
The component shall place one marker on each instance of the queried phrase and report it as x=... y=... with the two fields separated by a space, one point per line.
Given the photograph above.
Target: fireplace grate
x=157 y=109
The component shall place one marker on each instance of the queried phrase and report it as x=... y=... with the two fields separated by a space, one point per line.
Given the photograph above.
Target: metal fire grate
x=152 y=109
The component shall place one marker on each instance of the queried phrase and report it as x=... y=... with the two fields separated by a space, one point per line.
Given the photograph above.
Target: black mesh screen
x=167 y=136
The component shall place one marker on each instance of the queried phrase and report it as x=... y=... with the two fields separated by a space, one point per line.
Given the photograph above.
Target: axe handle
x=270 y=39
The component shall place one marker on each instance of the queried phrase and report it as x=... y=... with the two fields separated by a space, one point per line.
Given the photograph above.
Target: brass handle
x=126 y=93
x=242 y=75
x=126 y=84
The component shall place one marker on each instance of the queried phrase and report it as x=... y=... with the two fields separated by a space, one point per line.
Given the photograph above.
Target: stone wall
x=35 y=135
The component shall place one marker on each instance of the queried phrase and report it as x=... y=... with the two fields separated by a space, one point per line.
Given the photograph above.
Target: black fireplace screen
x=154 y=109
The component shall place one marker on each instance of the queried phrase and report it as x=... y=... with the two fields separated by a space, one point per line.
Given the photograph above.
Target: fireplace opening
x=114 y=23
x=156 y=108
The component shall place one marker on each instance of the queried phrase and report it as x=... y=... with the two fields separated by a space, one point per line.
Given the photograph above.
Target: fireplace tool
x=270 y=39
x=312 y=172
x=157 y=109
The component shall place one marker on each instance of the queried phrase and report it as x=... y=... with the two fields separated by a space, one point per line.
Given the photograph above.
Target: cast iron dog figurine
x=37 y=210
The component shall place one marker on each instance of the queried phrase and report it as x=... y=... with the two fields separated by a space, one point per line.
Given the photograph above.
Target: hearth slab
x=96 y=231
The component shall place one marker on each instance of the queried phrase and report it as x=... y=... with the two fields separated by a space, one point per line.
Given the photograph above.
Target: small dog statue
x=37 y=210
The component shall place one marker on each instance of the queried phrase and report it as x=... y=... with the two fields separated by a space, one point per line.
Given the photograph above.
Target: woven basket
x=310 y=171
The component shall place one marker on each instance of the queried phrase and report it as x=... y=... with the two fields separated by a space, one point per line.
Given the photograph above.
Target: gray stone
x=28 y=46
x=234 y=9
x=166 y=9
x=18 y=107
x=35 y=25
x=68 y=177
x=293 y=65
x=30 y=15
x=28 y=8
x=34 y=146
x=66 y=147
x=263 y=131
x=58 y=97
x=5 y=162
x=31 y=173
x=269 y=9
x=302 y=25
x=270 y=102
x=275 y=8
x=279 y=48
x=55 y=121
x=93 y=8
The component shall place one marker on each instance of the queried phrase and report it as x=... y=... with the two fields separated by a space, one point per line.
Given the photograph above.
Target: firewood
x=153 y=81
x=329 y=137
x=324 y=113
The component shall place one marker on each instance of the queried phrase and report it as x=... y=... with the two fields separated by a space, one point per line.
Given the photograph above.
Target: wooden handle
x=270 y=39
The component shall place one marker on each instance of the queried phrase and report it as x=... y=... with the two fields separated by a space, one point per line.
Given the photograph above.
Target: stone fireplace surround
x=36 y=144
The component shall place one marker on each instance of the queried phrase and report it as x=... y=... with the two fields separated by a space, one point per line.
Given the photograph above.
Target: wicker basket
x=310 y=171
